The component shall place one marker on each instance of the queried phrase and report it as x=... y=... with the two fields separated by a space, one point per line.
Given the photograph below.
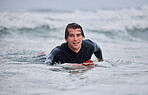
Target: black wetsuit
x=63 y=54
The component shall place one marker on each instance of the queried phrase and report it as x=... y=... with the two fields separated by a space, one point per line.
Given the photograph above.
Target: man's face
x=75 y=39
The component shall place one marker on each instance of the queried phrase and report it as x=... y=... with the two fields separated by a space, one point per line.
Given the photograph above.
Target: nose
x=75 y=38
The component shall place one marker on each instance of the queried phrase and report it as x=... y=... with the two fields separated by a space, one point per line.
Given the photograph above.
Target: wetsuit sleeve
x=50 y=58
x=97 y=52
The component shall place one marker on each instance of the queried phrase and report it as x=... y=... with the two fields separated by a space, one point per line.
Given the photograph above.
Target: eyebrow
x=76 y=34
x=79 y=30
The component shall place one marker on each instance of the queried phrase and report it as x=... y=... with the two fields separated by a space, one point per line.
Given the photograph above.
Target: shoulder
x=62 y=46
x=59 y=48
x=55 y=51
x=88 y=42
x=92 y=44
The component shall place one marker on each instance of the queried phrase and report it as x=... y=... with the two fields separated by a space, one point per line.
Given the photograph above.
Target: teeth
x=75 y=43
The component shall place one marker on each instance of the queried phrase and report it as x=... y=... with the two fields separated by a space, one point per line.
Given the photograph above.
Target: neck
x=74 y=50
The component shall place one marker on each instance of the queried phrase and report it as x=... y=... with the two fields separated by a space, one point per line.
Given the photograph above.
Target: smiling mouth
x=76 y=43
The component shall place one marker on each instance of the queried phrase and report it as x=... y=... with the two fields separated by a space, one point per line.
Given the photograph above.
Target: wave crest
x=121 y=22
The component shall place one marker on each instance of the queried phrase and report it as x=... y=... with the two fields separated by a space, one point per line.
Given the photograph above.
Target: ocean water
x=122 y=35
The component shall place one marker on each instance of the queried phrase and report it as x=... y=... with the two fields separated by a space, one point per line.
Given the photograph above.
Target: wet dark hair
x=73 y=26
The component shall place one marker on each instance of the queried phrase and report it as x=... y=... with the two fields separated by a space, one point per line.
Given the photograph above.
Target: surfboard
x=87 y=63
x=69 y=66
x=76 y=67
x=42 y=56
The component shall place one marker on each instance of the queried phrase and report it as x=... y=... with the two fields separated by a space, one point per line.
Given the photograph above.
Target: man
x=75 y=49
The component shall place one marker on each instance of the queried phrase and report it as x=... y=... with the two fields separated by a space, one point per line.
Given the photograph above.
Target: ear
x=82 y=38
x=66 y=40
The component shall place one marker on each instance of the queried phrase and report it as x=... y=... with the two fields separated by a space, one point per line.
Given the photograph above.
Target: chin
x=76 y=48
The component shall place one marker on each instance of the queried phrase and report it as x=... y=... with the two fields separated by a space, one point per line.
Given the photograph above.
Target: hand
x=89 y=62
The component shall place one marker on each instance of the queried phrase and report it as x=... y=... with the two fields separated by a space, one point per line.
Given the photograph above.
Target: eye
x=78 y=35
x=71 y=35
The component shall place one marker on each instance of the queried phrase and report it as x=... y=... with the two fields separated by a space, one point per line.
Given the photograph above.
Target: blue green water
x=122 y=35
